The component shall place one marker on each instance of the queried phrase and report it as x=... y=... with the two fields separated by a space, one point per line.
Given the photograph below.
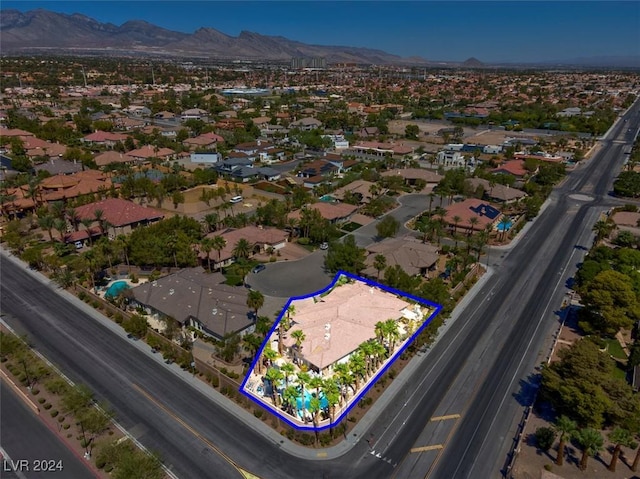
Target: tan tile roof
x=465 y=212
x=410 y=254
x=351 y=312
x=415 y=174
x=254 y=235
x=329 y=211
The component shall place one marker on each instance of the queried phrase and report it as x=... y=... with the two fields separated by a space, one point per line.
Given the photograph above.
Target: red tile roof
x=119 y=212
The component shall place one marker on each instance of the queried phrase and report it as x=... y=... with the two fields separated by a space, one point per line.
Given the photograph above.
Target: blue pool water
x=327 y=198
x=116 y=288
x=505 y=227
x=307 y=397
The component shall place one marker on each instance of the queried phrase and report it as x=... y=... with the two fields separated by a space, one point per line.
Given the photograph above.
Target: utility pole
x=84 y=76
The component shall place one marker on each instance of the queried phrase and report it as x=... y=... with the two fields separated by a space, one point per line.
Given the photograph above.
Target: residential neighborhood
x=301 y=239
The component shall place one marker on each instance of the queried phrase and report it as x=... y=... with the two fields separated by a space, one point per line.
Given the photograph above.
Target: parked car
x=236 y=199
x=324 y=245
x=258 y=268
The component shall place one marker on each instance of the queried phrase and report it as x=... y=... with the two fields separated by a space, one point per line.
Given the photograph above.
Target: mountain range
x=43 y=31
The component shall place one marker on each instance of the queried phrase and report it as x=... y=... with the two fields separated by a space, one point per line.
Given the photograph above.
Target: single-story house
x=486 y=214
x=411 y=175
x=497 y=192
x=333 y=212
x=261 y=239
x=413 y=256
x=199 y=300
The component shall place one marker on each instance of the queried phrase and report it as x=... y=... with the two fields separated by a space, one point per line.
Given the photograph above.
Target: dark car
x=258 y=268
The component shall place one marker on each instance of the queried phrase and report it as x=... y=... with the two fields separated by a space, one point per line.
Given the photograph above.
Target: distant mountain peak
x=472 y=62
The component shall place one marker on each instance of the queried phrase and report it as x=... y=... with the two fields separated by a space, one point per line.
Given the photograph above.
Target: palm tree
x=206 y=245
x=87 y=222
x=566 y=429
x=473 y=222
x=251 y=343
x=391 y=329
x=344 y=375
x=332 y=394
x=620 y=437
x=358 y=368
x=72 y=214
x=303 y=379
x=380 y=331
x=212 y=220
x=242 y=249
x=603 y=229
x=314 y=409
x=503 y=225
x=274 y=375
x=46 y=222
x=287 y=369
x=591 y=441
x=61 y=226
x=255 y=301
x=122 y=243
x=290 y=396
x=299 y=336
x=270 y=355
x=98 y=215
x=456 y=220
x=379 y=263
x=218 y=243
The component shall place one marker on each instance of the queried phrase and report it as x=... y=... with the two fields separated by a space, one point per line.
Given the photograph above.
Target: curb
x=26 y=399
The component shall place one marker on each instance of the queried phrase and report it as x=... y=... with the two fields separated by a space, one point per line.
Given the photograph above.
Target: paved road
x=27 y=438
x=479 y=359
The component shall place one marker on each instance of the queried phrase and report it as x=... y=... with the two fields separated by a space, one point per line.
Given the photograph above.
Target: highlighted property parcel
x=328 y=348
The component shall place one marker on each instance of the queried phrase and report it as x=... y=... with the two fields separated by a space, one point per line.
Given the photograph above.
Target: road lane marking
x=426 y=448
x=445 y=418
x=243 y=473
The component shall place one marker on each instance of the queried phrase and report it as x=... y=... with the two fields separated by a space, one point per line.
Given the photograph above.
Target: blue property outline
x=437 y=308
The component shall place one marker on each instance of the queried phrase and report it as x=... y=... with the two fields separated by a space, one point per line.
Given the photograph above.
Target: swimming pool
x=327 y=199
x=502 y=227
x=116 y=288
x=307 y=398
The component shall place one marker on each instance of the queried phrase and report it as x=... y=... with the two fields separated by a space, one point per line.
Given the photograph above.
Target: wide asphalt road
x=496 y=337
x=26 y=438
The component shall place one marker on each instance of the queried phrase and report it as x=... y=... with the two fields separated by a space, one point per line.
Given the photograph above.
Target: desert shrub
x=545 y=437
x=47 y=406
x=258 y=413
x=54 y=412
x=41 y=400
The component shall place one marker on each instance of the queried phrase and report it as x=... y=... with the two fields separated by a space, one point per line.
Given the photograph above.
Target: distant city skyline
x=492 y=32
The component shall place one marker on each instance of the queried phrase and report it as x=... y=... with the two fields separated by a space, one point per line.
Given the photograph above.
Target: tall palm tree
x=358 y=368
x=72 y=214
x=299 y=336
x=242 y=249
x=379 y=263
x=456 y=220
x=314 y=409
x=303 y=379
x=270 y=355
x=287 y=369
x=603 y=229
x=87 y=222
x=473 y=222
x=591 y=442
x=343 y=373
x=123 y=244
x=212 y=220
x=206 y=245
x=47 y=222
x=620 y=437
x=61 y=226
x=98 y=215
x=332 y=394
x=391 y=329
x=255 y=301
x=218 y=243
x=566 y=429
x=290 y=396
x=274 y=376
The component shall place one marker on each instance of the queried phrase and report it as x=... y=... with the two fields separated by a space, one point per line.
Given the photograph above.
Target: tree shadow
x=528 y=389
x=530 y=440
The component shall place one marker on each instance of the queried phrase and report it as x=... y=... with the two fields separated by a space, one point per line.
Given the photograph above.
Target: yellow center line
x=244 y=473
x=444 y=418
x=427 y=448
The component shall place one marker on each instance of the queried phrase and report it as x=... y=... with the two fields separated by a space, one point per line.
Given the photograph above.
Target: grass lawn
x=619 y=372
x=235 y=273
x=351 y=226
x=615 y=349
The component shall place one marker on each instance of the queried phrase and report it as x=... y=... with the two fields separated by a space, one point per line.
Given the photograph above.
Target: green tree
x=387 y=227
x=345 y=256
x=545 y=437
x=620 y=437
x=242 y=249
x=379 y=263
x=591 y=442
x=411 y=132
x=255 y=301
x=566 y=429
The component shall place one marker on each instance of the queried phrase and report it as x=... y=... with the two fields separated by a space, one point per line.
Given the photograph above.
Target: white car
x=324 y=245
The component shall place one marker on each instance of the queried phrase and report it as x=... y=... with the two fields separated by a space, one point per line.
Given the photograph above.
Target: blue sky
x=452 y=30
